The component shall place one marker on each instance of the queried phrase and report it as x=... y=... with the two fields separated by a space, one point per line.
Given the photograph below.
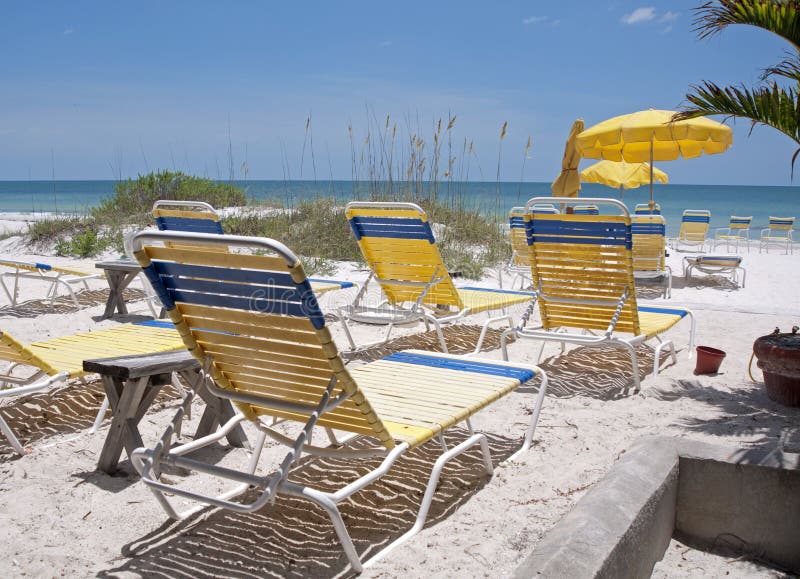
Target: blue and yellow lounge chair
x=398 y=245
x=649 y=250
x=55 y=360
x=714 y=264
x=63 y=276
x=200 y=217
x=694 y=228
x=254 y=324
x=582 y=270
x=519 y=265
x=738 y=231
x=778 y=233
x=644 y=209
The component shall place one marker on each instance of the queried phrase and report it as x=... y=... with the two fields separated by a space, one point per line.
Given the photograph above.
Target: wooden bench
x=133 y=382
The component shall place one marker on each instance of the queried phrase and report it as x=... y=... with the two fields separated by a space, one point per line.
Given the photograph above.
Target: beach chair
x=254 y=324
x=582 y=270
x=56 y=360
x=586 y=210
x=518 y=266
x=738 y=231
x=200 y=217
x=778 y=233
x=649 y=250
x=644 y=209
x=694 y=228
x=398 y=244
x=57 y=276
x=713 y=265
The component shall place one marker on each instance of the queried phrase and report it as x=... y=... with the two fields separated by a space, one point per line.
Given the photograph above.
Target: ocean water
x=489 y=197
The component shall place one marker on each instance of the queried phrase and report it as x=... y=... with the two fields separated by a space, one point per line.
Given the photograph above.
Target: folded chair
x=56 y=276
x=778 y=233
x=49 y=362
x=694 y=228
x=714 y=264
x=737 y=232
x=200 y=217
x=398 y=245
x=582 y=271
x=649 y=250
x=644 y=209
x=254 y=323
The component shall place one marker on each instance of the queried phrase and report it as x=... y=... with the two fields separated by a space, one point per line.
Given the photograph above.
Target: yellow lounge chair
x=254 y=323
x=694 y=228
x=582 y=270
x=649 y=250
x=48 y=362
x=738 y=231
x=200 y=217
x=63 y=276
x=644 y=209
x=519 y=264
x=778 y=233
x=398 y=245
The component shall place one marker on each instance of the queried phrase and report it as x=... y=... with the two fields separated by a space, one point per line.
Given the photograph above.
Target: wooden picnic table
x=119 y=273
x=133 y=382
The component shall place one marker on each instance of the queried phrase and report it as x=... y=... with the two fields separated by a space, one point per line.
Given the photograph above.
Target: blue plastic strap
x=189 y=224
x=648 y=229
x=43 y=266
x=243 y=290
x=254 y=303
x=516 y=222
x=341 y=284
x=156 y=324
x=261 y=277
x=154 y=278
x=695 y=219
x=464 y=365
x=581 y=232
x=671 y=312
x=400 y=228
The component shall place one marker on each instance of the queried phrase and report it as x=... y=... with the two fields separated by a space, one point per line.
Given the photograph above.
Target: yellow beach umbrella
x=622 y=175
x=567 y=184
x=652 y=136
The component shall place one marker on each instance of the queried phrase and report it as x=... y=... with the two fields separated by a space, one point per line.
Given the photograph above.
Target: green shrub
x=48 y=230
x=133 y=199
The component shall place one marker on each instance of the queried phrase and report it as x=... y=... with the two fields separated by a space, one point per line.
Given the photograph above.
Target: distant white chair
x=738 y=231
x=694 y=228
x=778 y=233
x=714 y=264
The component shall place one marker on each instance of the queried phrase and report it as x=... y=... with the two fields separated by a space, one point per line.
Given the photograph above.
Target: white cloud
x=644 y=14
x=669 y=16
x=68 y=31
x=386 y=43
x=534 y=19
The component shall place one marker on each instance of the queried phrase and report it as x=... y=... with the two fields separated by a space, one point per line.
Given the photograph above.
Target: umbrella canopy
x=567 y=184
x=622 y=175
x=652 y=136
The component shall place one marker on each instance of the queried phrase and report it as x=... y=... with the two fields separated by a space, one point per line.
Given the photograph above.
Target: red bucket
x=708 y=360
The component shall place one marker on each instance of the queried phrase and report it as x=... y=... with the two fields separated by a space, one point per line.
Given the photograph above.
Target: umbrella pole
x=652 y=203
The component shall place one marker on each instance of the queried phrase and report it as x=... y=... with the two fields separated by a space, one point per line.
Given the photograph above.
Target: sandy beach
x=480 y=527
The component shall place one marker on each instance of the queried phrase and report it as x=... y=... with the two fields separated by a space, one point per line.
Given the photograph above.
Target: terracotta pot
x=708 y=360
x=779 y=358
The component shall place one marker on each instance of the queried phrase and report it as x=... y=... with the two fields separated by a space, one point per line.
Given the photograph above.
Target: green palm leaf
x=781 y=17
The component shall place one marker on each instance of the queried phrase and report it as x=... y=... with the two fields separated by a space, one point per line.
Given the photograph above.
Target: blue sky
x=102 y=90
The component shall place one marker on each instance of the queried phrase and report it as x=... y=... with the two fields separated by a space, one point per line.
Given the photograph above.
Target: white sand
x=62 y=517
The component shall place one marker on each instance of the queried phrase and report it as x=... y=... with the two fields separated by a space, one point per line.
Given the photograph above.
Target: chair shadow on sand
x=63 y=304
x=294 y=538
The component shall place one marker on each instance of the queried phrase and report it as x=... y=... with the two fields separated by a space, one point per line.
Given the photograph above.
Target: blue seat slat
x=155 y=324
x=238 y=303
x=267 y=292
x=695 y=218
x=402 y=228
x=342 y=284
x=648 y=229
x=499 y=291
x=521 y=374
x=189 y=224
x=169 y=268
x=43 y=266
x=672 y=312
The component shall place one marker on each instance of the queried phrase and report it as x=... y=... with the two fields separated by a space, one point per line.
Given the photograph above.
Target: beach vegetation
x=133 y=199
x=773 y=103
x=48 y=230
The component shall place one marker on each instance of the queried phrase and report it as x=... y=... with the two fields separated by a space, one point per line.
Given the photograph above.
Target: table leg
x=117 y=282
x=125 y=401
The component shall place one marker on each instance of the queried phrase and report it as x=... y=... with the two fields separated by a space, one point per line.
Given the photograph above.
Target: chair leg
x=11 y=437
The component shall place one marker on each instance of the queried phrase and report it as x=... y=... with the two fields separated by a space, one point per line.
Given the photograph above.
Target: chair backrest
x=16 y=352
x=694 y=224
x=516 y=235
x=649 y=242
x=586 y=210
x=256 y=319
x=397 y=243
x=742 y=223
x=582 y=266
x=194 y=216
x=542 y=208
x=644 y=209
x=780 y=225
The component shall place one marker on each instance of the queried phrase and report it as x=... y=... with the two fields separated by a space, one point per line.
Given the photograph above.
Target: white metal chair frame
x=150 y=461
x=53 y=277
x=778 y=236
x=738 y=231
x=705 y=263
x=693 y=239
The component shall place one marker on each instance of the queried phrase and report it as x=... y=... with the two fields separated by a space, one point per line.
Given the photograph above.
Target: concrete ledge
x=665 y=486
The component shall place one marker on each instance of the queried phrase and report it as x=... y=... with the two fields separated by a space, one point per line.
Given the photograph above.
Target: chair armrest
x=719 y=230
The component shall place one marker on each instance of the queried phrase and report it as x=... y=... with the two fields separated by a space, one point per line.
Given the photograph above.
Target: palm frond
x=781 y=17
x=788 y=68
